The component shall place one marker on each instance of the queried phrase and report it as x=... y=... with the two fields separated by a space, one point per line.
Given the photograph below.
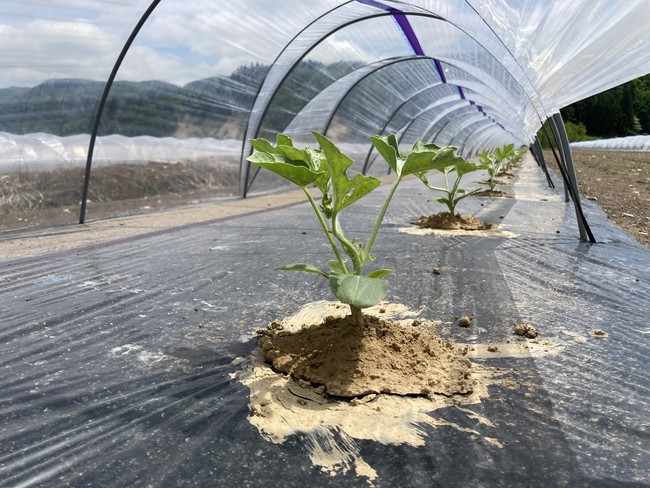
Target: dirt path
x=73 y=236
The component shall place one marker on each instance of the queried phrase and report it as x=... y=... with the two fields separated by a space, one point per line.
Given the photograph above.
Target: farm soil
x=619 y=182
x=493 y=193
x=40 y=199
x=447 y=221
x=379 y=356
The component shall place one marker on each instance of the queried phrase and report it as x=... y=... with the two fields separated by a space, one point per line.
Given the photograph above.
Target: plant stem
x=380 y=217
x=348 y=247
x=450 y=195
x=325 y=229
x=357 y=315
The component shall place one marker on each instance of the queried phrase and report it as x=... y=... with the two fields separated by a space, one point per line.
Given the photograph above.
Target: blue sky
x=182 y=41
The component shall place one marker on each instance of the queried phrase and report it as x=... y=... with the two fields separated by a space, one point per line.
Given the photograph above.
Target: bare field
x=620 y=183
x=37 y=199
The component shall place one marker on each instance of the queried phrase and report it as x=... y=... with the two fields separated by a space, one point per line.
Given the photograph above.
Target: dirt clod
x=464 y=321
x=598 y=333
x=525 y=330
x=492 y=348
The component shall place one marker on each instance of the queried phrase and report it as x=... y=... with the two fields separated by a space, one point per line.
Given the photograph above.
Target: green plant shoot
x=326 y=170
x=453 y=193
x=493 y=166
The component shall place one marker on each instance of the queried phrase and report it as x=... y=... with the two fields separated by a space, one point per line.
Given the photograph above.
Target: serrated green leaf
x=463 y=167
x=262 y=145
x=380 y=273
x=360 y=291
x=299 y=175
x=292 y=164
x=307 y=268
x=425 y=158
x=345 y=191
x=420 y=146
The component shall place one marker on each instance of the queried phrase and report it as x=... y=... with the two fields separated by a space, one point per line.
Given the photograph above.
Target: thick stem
x=325 y=229
x=357 y=315
x=380 y=217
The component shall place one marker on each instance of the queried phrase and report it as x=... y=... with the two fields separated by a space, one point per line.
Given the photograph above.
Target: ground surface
x=620 y=183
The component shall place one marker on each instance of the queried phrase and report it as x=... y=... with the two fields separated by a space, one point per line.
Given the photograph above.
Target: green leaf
x=298 y=175
x=308 y=268
x=425 y=157
x=335 y=267
x=463 y=167
x=380 y=273
x=388 y=148
x=346 y=191
x=282 y=140
x=360 y=291
x=292 y=164
x=262 y=145
x=318 y=162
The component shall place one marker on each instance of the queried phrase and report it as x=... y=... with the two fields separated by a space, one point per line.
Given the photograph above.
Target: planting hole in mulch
x=447 y=221
x=493 y=193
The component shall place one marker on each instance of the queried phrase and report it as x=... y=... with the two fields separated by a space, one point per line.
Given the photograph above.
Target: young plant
x=326 y=170
x=493 y=166
x=505 y=156
x=455 y=194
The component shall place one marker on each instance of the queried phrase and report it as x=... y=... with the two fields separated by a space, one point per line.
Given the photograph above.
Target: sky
x=181 y=42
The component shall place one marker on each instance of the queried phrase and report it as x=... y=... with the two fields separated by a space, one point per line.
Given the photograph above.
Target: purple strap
x=407 y=29
x=403 y=22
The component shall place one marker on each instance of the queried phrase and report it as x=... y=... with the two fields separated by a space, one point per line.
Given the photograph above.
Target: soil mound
x=493 y=193
x=377 y=357
x=447 y=221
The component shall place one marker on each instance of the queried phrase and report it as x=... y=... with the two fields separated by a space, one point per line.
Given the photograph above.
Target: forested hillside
x=211 y=107
x=218 y=106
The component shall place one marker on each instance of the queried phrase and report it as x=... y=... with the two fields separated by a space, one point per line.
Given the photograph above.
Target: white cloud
x=45 y=49
x=181 y=42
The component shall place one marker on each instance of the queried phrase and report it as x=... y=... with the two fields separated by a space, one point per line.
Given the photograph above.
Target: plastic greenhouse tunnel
x=316 y=243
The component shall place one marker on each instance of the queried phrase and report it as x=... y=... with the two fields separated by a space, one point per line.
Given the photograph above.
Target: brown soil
x=377 y=357
x=33 y=199
x=620 y=183
x=447 y=221
x=493 y=193
x=525 y=330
